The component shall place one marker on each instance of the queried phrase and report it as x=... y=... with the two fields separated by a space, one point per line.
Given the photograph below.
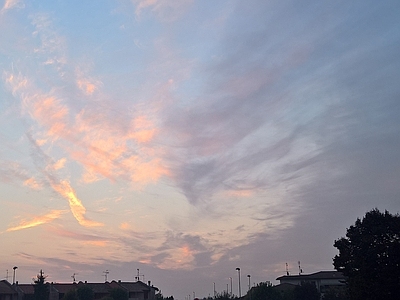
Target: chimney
x=149 y=283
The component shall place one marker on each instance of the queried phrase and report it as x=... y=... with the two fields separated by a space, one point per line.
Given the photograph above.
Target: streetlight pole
x=240 y=291
x=214 y=290
x=249 y=286
x=14 y=268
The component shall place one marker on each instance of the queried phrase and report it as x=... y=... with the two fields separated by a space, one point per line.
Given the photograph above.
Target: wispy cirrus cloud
x=78 y=210
x=9 y=4
x=38 y=220
x=165 y=10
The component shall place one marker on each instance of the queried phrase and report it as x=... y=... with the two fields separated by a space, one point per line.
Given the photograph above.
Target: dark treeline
x=267 y=291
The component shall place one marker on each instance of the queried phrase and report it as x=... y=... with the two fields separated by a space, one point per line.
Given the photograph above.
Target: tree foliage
x=370 y=256
x=264 y=291
x=41 y=289
x=306 y=291
x=335 y=293
x=223 y=296
x=267 y=291
x=160 y=296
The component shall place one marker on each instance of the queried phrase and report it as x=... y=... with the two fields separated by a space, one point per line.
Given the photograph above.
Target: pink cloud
x=9 y=4
x=75 y=204
x=36 y=221
x=32 y=183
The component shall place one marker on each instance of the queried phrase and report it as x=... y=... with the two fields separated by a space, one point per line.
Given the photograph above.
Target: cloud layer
x=190 y=139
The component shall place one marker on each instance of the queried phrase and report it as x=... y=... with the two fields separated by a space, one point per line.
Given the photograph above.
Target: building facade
x=323 y=280
x=135 y=290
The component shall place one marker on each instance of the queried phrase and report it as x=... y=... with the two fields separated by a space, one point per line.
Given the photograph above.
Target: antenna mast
x=287 y=269
x=300 y=269
x=106 y=272
x=74 y=277
x=137 y=277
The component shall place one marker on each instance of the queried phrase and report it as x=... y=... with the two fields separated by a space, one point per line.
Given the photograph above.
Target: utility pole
x=231 y=285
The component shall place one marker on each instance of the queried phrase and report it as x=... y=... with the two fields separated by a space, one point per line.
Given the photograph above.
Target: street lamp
x=240 y=291
x=14 y=268
x=249 y=286
x=214 y=290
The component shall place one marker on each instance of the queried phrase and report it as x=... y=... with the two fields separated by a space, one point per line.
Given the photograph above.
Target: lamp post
x=249 y=286
x=231 y=285
x=214 y=290
x=14 y=268
x=240 y=291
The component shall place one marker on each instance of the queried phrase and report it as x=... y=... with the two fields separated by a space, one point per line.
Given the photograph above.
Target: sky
x=188 y=138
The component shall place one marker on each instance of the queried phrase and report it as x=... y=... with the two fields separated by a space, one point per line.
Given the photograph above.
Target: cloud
x=277 y=131
x=166 y=11
x=124 y=226
x=78 y=210
x=36 y=221
x=87 y=84
x=59 y=163
x=10 y=4
x=32 y=183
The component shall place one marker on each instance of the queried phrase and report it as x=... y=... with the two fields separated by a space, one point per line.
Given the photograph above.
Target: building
x=323 y=280
x=7 y=292
x=135 y=290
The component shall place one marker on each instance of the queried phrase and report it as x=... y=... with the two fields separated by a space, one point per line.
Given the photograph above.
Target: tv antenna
x=287 y=269
x=74 y=277
x=137 y=277
x=106 y=272
x=300 y=269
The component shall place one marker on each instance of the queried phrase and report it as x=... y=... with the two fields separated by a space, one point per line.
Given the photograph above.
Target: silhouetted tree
x=41 y=289
x=335 y=293
x=119 y=294
x=264 y=291
x=306 y=291
x=223 y=296
x=369 y=256
x=85 y=293
x=160 y=296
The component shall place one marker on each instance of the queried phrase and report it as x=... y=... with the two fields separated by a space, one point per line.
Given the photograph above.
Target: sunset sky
x=187 y=138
